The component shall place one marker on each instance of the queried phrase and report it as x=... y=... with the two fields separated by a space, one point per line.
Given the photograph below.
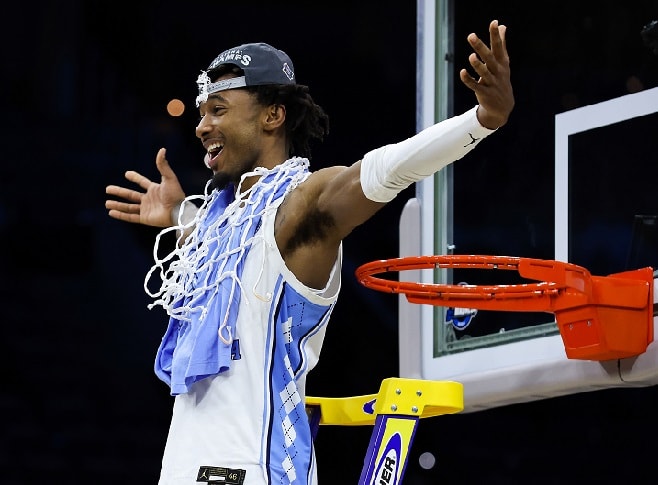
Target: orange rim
x=552 y=277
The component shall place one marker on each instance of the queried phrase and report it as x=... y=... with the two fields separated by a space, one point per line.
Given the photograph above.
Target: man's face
x=230 y=130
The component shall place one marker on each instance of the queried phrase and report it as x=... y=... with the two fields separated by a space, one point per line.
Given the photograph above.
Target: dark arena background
x=85 y=86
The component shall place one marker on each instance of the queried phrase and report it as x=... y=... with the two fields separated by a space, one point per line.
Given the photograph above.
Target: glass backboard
x=600 y=213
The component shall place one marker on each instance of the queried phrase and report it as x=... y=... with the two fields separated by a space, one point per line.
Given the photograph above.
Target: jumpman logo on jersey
x=473 y=140
x=223 y=476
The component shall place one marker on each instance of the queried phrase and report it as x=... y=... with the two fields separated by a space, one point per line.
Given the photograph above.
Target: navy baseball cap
x=262 y=64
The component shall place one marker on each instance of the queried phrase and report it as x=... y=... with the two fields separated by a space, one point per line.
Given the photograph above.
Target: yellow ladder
x=395 y=412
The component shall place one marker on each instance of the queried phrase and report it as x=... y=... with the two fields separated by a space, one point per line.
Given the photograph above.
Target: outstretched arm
x=351 y=195
x=156 y=205
x=387 y=170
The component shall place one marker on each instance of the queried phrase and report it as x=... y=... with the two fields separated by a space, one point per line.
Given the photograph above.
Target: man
x=255 y=275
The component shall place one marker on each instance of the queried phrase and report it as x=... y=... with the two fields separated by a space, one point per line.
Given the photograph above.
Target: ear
x=275 y=116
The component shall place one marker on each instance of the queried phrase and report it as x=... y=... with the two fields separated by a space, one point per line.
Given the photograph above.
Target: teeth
x=214 y=146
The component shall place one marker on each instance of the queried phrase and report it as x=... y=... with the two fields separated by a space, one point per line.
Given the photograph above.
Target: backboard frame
x=518 y=371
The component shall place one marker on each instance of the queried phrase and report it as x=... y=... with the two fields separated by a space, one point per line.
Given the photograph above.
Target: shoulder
x=317 y=182
x=324 y=179
x=324 y=175
x=305 y=199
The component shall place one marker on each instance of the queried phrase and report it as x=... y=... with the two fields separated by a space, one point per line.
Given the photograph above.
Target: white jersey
x=248 y=425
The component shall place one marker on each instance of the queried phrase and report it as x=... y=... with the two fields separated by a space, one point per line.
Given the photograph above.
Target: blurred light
x=427 y=460
x=634 y=84
x=175 y=107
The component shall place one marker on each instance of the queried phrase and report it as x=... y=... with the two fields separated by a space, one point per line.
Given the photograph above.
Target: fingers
x=124 y=207
x=467 y=79
x=498 y=44
x=124 y=193
x=163 y=166
x=482 y=68
x=487 y=62
x=144 y=182
x=489 y=56
x=151 y=202
x=122 y=216
x=483 y=52
x=138 y=179
x=123 y=211
x=496 y=39
x=502 y=30
x=491 y=83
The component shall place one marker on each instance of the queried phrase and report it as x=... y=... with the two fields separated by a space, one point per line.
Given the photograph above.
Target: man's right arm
x=155 y=205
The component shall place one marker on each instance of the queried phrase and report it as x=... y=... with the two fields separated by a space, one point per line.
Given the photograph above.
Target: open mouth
x=214 y=149
x=213 y=152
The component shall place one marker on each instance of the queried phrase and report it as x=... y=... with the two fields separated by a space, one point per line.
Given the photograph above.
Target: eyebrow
x=218 y=97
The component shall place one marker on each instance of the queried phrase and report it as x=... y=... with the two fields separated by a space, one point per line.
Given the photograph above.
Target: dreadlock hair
x=305 y=120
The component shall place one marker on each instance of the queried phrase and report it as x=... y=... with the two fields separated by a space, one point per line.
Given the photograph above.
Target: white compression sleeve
x=187 y=216
x=388 y=170
x=184 y=218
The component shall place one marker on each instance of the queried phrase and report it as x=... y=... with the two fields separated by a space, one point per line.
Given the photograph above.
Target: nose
x=203 y=127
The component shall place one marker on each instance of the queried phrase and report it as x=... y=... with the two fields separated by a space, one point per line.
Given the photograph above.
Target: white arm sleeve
x=184 y=218
x=187 y=215
x=388 y=170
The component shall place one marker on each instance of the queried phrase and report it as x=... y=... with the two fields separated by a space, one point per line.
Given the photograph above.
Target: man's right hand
x=154 y=206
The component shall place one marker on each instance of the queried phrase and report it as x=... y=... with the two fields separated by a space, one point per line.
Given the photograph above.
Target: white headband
x=206 y=87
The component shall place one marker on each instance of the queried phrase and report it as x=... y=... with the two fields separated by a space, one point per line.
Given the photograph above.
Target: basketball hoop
x=599 y=318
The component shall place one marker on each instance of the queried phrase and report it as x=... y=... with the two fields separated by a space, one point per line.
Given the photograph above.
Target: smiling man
x=254 y=278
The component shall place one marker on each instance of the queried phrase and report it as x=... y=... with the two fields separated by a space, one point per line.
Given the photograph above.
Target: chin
x=220 y=180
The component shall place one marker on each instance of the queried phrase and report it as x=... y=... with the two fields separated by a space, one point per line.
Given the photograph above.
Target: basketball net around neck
x=205 y=268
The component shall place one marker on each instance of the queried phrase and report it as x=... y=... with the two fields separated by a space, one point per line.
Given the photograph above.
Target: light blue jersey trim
x=293 y=322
